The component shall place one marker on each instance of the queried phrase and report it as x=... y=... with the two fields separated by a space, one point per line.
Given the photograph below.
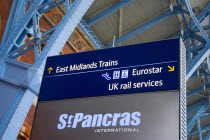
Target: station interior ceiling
x=116 y=23
x=135 y=15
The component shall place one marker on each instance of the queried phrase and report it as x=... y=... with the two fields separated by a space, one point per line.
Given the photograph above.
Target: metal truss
x=142 y=28
x=198 y=52
x=85 y=25
x=90 y=34
x=19 y=81
x=108 y=11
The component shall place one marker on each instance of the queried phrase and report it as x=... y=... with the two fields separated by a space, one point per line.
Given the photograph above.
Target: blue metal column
x=198 y=48
x=19 y=82
x=15 y=78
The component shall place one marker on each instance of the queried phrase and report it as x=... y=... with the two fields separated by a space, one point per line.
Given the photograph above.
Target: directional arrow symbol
x=50 y=69
x=171 y=68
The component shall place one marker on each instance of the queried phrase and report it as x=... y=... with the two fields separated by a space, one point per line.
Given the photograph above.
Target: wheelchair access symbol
x=106 y=76
x=124 y=74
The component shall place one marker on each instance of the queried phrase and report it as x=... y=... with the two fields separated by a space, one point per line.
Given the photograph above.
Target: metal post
x=20 y=89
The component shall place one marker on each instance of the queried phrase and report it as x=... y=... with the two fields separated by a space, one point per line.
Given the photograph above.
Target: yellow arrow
x=171 y=68
x=50 y=69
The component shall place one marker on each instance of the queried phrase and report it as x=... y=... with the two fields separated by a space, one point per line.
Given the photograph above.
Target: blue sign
x=122 y=70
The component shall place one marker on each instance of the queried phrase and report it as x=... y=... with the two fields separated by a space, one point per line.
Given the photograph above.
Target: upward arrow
x=50 y=69
x=171 y=68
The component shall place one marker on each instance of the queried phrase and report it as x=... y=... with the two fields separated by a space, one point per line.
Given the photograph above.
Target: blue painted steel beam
x=193 y=107
x=49 y=5
x=190 y=113
x=63 y=31
x=49 y=31
x=24 y=86
x=193 y=120
x=196 y=49
x=196 y=91
x=198 y=37
x=196 y=20
x=22 y=52
x=90 y=34
x=17 y=97
x=201 y=17
x=108 y=11
x=20 y=32
x=203 y=129
x=19 y=35
x=200 y=132
x=45 y=5
x=8 y=91
x=202 y=55
x=18 y=52
x=20 y=49
x=19 y=13
x=180 y=9
x=142 y=28
x=207 y=137
x=205 y=115
x=199 y=128
x=16 y=13
x=206 y=27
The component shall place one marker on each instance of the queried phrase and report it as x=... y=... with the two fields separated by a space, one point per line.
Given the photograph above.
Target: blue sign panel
x=122 y=70
x=134 y=92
